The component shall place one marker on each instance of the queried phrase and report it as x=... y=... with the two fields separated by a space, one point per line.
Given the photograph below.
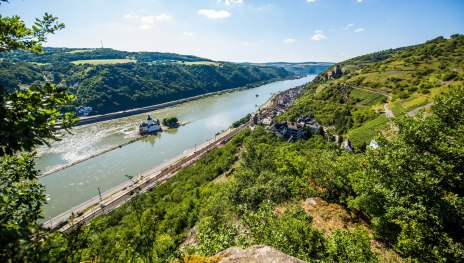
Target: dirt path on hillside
x=415 y=111
x=388 y=111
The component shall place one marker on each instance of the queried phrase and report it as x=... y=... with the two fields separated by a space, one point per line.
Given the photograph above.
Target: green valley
x=274 y=160
x=401 y=202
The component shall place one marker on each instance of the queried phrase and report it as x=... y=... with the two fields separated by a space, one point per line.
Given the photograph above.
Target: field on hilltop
x=103 y=61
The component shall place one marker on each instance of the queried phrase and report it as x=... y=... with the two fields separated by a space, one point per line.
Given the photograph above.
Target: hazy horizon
x=253 y=31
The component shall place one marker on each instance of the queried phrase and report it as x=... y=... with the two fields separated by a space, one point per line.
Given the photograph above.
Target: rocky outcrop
x=255 y=254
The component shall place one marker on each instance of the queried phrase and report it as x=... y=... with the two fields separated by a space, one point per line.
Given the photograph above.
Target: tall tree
x=28 y=117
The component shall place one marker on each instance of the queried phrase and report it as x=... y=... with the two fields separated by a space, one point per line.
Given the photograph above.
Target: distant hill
x=109 y=80
x=54 y=55
x=298 y=68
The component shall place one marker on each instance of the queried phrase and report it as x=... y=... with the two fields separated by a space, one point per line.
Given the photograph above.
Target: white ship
x=150 y=126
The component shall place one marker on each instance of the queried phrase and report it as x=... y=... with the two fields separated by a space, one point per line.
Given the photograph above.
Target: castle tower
x=149 y=120
x=337 y=70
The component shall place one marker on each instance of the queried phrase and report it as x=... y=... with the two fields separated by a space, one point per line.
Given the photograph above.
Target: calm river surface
x=206 y=117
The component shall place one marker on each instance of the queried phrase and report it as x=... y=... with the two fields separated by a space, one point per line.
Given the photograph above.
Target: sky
x=247 y=30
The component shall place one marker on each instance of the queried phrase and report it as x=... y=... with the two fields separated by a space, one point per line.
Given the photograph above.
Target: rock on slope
x=259 y=253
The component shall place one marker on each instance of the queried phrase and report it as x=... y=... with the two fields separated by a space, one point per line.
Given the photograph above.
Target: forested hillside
x=54 y=55
x=401 y=202
x=298 y=68
x=110 y=80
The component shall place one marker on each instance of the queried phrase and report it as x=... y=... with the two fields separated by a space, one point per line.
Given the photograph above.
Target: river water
x=205 y=117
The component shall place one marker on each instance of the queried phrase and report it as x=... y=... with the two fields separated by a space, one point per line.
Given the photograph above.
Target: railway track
x=93 y=209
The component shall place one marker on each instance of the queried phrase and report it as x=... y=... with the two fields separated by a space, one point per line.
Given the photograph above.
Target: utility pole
x=130 y=178
x=102 y=205
x=99 y=194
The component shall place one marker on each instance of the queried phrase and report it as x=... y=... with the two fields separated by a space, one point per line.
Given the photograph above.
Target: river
x=205 y=117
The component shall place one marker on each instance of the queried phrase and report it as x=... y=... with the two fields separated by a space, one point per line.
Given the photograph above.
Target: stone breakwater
x=89 y=157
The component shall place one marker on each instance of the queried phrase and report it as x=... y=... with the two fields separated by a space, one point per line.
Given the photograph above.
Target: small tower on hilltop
x=337 y=70
x=335 y=73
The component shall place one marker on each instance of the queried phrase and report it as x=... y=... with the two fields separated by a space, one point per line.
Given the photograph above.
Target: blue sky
x=247 y=30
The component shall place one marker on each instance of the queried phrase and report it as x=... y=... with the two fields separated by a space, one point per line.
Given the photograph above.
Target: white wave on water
x=84 y=142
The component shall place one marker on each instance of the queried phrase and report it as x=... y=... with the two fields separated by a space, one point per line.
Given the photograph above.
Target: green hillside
x=407 y=79
x=110 y=80
x=402 y=202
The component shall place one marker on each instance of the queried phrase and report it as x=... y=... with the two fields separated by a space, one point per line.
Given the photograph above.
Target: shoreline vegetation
x=131 y=112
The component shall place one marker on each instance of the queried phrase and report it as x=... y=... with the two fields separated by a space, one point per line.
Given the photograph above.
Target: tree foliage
x=412 y=187
x=170 y=121
x=250 y=191
x=17 y=36
x=27 y=118
x=20 y=206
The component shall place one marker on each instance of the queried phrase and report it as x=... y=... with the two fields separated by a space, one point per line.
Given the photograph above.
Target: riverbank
x=127 y=113
x=145 y=181
x=209 y=116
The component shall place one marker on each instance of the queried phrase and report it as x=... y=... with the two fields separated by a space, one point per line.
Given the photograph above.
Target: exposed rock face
x=255 y=254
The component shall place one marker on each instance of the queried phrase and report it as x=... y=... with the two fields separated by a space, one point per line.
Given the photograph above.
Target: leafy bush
x=449 y=76
x=170 y=121
x=346 y=246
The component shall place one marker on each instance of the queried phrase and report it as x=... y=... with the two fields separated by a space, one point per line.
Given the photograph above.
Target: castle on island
x=149 y=127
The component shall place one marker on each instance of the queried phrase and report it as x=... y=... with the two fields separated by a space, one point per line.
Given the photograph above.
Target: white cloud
x=145 y=27
x=147 y=22
x=264 y=7
x=129 y=16
x=213 y=14
x=359 y=30
x=148 y=19
x=290 y=40
x=318 y=37
x=318 y=31
x=231 y=2
x=349 y=25
x=359 y=1
x=188 y=34
x=310 y=1
x=162 y=17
